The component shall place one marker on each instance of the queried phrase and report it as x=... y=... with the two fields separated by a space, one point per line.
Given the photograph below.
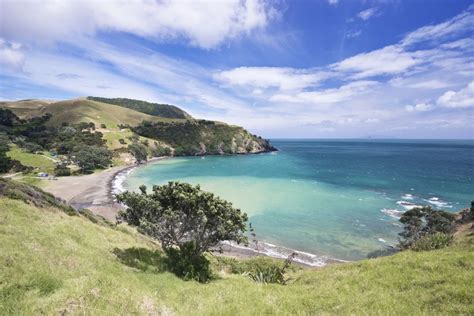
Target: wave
x=280 y=252
x=407 y=196
x=117 y=182
x=407 y=205
x=392 y=212
x=437 y=202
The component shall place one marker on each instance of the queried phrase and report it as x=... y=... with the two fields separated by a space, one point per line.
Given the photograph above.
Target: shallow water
x=334 y=198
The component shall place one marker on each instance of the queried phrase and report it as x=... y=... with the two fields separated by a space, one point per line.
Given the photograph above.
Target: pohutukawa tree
x=187 y=221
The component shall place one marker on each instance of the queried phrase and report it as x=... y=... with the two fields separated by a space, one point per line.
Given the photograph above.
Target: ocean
x=329 y=199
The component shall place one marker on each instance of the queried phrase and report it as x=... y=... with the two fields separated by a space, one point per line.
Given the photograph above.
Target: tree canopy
x=186 y=220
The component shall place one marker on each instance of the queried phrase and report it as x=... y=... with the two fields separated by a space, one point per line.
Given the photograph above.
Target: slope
x=53 y=263
x=156 y=109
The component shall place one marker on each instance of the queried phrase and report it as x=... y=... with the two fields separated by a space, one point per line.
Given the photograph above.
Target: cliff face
x=201 y=137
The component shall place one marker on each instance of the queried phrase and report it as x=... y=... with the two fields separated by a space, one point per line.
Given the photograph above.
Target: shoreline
x=96 y=193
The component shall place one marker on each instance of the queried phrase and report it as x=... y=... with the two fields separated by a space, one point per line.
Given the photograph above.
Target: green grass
x=53 y=263
x=39 y=161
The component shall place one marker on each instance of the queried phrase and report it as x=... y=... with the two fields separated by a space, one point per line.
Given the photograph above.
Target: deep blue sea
x=329 y=198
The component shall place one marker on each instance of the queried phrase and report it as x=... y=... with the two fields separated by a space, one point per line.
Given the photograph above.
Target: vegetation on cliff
x=155 y=109
x=201 y=137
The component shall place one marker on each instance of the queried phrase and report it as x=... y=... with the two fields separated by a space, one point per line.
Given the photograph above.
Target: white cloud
x=352 y=34
x=327 y=96
x=388 y=60
x=271 y=77
x=419 y=83
x=333 y=2
x=203 y=24
x=11 y=55
x=463 y=98
x=420 y=107
x=367 y=14
x=462 y=23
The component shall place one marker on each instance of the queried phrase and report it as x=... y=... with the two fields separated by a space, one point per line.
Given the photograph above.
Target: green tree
x=187 y=221
x=138 y=151
x=422 y=221
x=7 y=117
x=6 y=163
x=89 y=158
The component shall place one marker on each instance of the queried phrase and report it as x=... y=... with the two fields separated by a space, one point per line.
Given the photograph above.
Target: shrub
x=138 y=151
x=103 y=125
x=122 y=141
x=62 y=171
x=272 y=273
x=432 y=242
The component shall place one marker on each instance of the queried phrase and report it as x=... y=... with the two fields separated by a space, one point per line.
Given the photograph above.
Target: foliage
x=156 y=109
x=6 y=162
x=272 y=273
x=199 y=137
x=7 y=117
x=138 y=151
x=62 y=170
x=160 y=151
x=432 y=242
x=89 y=158
x=186 y=220
x=422 y=221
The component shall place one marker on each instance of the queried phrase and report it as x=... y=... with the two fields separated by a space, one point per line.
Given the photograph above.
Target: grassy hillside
x=53 y=263
x=156 y=109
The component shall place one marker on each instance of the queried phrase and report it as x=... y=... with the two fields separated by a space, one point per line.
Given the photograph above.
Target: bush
x=432 y=242
x=184 y=263
x=272 y=273
x=122 y=141
x=138 y=151
x=103 y=125
x=62 y=171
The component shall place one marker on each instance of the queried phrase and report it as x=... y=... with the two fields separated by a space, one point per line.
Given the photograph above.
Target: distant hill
x=156 y=109
x=120 y=123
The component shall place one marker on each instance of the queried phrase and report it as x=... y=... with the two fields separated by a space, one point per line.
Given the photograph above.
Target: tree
x=6 y=163
x=89 y=158
x=187 y=221
x=7 y=117
x=138 y=151
x=422 y=221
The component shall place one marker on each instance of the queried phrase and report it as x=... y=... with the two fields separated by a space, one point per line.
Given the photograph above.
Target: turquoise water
x=333 y=198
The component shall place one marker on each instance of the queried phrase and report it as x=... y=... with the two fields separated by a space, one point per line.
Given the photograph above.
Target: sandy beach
x=91 y=191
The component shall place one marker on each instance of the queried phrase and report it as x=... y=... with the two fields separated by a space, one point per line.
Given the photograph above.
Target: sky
x=281 y=69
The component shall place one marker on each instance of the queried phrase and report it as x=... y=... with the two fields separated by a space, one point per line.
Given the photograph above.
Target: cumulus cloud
x=367 y=14
x=463 y=98
x=11 y=55
x=203 y=24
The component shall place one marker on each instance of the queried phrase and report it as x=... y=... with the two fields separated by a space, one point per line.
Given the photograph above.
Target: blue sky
x=306 y=69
